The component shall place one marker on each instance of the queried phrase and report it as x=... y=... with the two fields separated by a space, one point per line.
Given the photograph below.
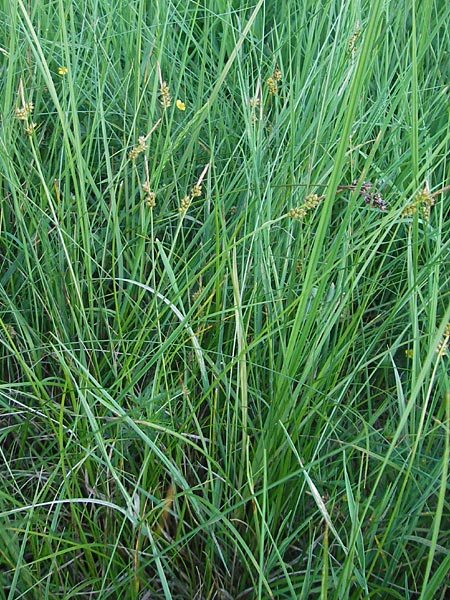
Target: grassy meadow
x=224 y=299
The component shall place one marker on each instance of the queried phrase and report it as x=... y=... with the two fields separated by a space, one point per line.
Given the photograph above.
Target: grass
x=224 y=354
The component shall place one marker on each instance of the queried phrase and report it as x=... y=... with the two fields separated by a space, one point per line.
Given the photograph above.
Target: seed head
x=165 y=98
x=272 y=86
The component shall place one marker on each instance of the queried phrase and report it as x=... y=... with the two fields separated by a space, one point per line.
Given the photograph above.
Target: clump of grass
x=224 y=349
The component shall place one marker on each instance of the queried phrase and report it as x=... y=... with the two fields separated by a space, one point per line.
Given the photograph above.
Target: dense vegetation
x=224 y=299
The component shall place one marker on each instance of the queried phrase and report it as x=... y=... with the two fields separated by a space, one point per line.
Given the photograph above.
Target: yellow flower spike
x=180 y=105
x=31 y=128
x=63 y=70
x=24 y=111
x=272 y=85
x=165 y=97
x=277 y=75
x=185 y=204
x=196 y=191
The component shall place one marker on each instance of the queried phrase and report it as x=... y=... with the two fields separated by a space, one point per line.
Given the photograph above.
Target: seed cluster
x=165 y=97
x=186 y=201
x=373 y=198
x=272 y=82
x=442 y=347
x=299 y=212
x=140 y=147
x=423 y=201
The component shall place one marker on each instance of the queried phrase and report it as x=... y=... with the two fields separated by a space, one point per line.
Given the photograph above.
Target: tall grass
x=224 y=353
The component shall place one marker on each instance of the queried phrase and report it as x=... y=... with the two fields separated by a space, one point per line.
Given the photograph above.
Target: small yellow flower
x=180 y=104
x=63 y=70
x=409 y=353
